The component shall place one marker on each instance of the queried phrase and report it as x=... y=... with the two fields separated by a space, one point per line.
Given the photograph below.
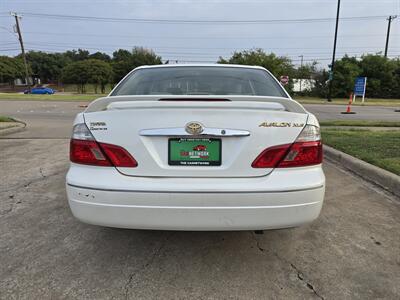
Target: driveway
x=351 y=251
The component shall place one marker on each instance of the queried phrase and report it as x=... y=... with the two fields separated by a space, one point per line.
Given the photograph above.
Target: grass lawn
x=6 y=119
x=360 y=123
x=55 y=97
x=380 y=148
x=368 y=102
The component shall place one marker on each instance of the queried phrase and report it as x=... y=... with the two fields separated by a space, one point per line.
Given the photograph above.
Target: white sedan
x=196 y=147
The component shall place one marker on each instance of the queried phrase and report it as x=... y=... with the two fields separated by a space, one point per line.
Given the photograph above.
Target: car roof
x=200 y=65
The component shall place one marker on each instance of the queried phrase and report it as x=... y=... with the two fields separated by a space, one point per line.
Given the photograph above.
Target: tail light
x=118 y=156
x=305 y=151
x=85 y=150
x=87 y=153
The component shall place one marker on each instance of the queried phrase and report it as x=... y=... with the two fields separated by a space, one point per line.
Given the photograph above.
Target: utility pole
x=21 y=42
x=301 y=68
x=333 y=54
x=390 y=19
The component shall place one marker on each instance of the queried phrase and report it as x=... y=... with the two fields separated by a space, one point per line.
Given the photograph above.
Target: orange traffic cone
x=348 y=109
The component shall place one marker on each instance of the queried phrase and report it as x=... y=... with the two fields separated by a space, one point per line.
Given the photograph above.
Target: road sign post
x=360 y=85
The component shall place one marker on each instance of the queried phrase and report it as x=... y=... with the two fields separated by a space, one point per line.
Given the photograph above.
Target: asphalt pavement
x=325 y=112
x=44 y=119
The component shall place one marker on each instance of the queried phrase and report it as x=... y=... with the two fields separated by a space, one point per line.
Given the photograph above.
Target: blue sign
x=359 y=86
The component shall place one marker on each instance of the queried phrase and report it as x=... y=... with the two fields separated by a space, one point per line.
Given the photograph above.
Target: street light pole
x=390 y=19
x=333 y=54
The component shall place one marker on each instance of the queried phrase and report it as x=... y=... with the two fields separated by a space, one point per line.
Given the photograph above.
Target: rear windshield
x=200 y=81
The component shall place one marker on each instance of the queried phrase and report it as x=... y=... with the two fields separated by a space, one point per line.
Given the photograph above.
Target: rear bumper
x=195 y=211
x=196 y=204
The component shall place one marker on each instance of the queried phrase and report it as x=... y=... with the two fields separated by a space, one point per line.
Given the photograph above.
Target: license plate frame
x=175 y=159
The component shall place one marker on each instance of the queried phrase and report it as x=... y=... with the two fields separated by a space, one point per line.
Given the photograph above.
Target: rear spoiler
x=252 y=102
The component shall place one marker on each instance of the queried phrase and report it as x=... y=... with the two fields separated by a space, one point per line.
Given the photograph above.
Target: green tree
x=383 y=76
x=382 y=80
x=75 y=55
x=100 y=73
x=121 y=54
x=101 y=56
x=76 y=73
x=124 y=61
x=88 y=71
x=396 y=74
x=306 y=71
x=346 y=70
x=321 y=84
x=11 y=68
x=277 y=65
x=47 y=66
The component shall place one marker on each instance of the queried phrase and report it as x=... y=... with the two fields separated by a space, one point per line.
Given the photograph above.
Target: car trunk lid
x=150 y=130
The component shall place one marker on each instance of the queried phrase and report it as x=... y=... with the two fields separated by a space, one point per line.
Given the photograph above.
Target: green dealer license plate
x=194 y=152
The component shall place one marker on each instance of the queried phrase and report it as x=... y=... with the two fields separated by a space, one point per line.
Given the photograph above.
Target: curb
x=371 y=173
x=20 y=127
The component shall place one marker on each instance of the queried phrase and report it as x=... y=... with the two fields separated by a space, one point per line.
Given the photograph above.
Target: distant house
x=303 y=85
x=21 y=81
x=17 y=85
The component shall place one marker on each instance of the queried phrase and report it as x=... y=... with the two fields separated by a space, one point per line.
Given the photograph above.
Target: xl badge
x=194 y=128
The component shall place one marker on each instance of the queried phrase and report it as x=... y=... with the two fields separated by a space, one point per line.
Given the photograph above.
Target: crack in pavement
x=12 y=204
x=27 y=184
x=6 y=211
x=42 y=173
x=150 y=261
x=300 y=275
x=257 y=242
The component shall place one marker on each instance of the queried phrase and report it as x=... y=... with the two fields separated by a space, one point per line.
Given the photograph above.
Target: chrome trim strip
x=180 y=131
x=197 y=192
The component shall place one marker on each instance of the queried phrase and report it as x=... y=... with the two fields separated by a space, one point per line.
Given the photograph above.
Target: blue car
x=40 y=90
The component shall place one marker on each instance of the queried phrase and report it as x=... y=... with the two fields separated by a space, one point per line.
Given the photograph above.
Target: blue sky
x=203 y=42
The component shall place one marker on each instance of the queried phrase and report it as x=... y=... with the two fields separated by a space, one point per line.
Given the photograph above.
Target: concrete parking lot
x=351 y=252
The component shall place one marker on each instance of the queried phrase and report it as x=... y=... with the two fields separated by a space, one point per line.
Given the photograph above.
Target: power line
x=12 y=49
x=10 y=43
x=186 y=21
x=106 y=46
x=200 y=37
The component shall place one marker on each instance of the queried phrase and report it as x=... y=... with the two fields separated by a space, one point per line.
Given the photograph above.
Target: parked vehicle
x=40 y=90
x=133 y=164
